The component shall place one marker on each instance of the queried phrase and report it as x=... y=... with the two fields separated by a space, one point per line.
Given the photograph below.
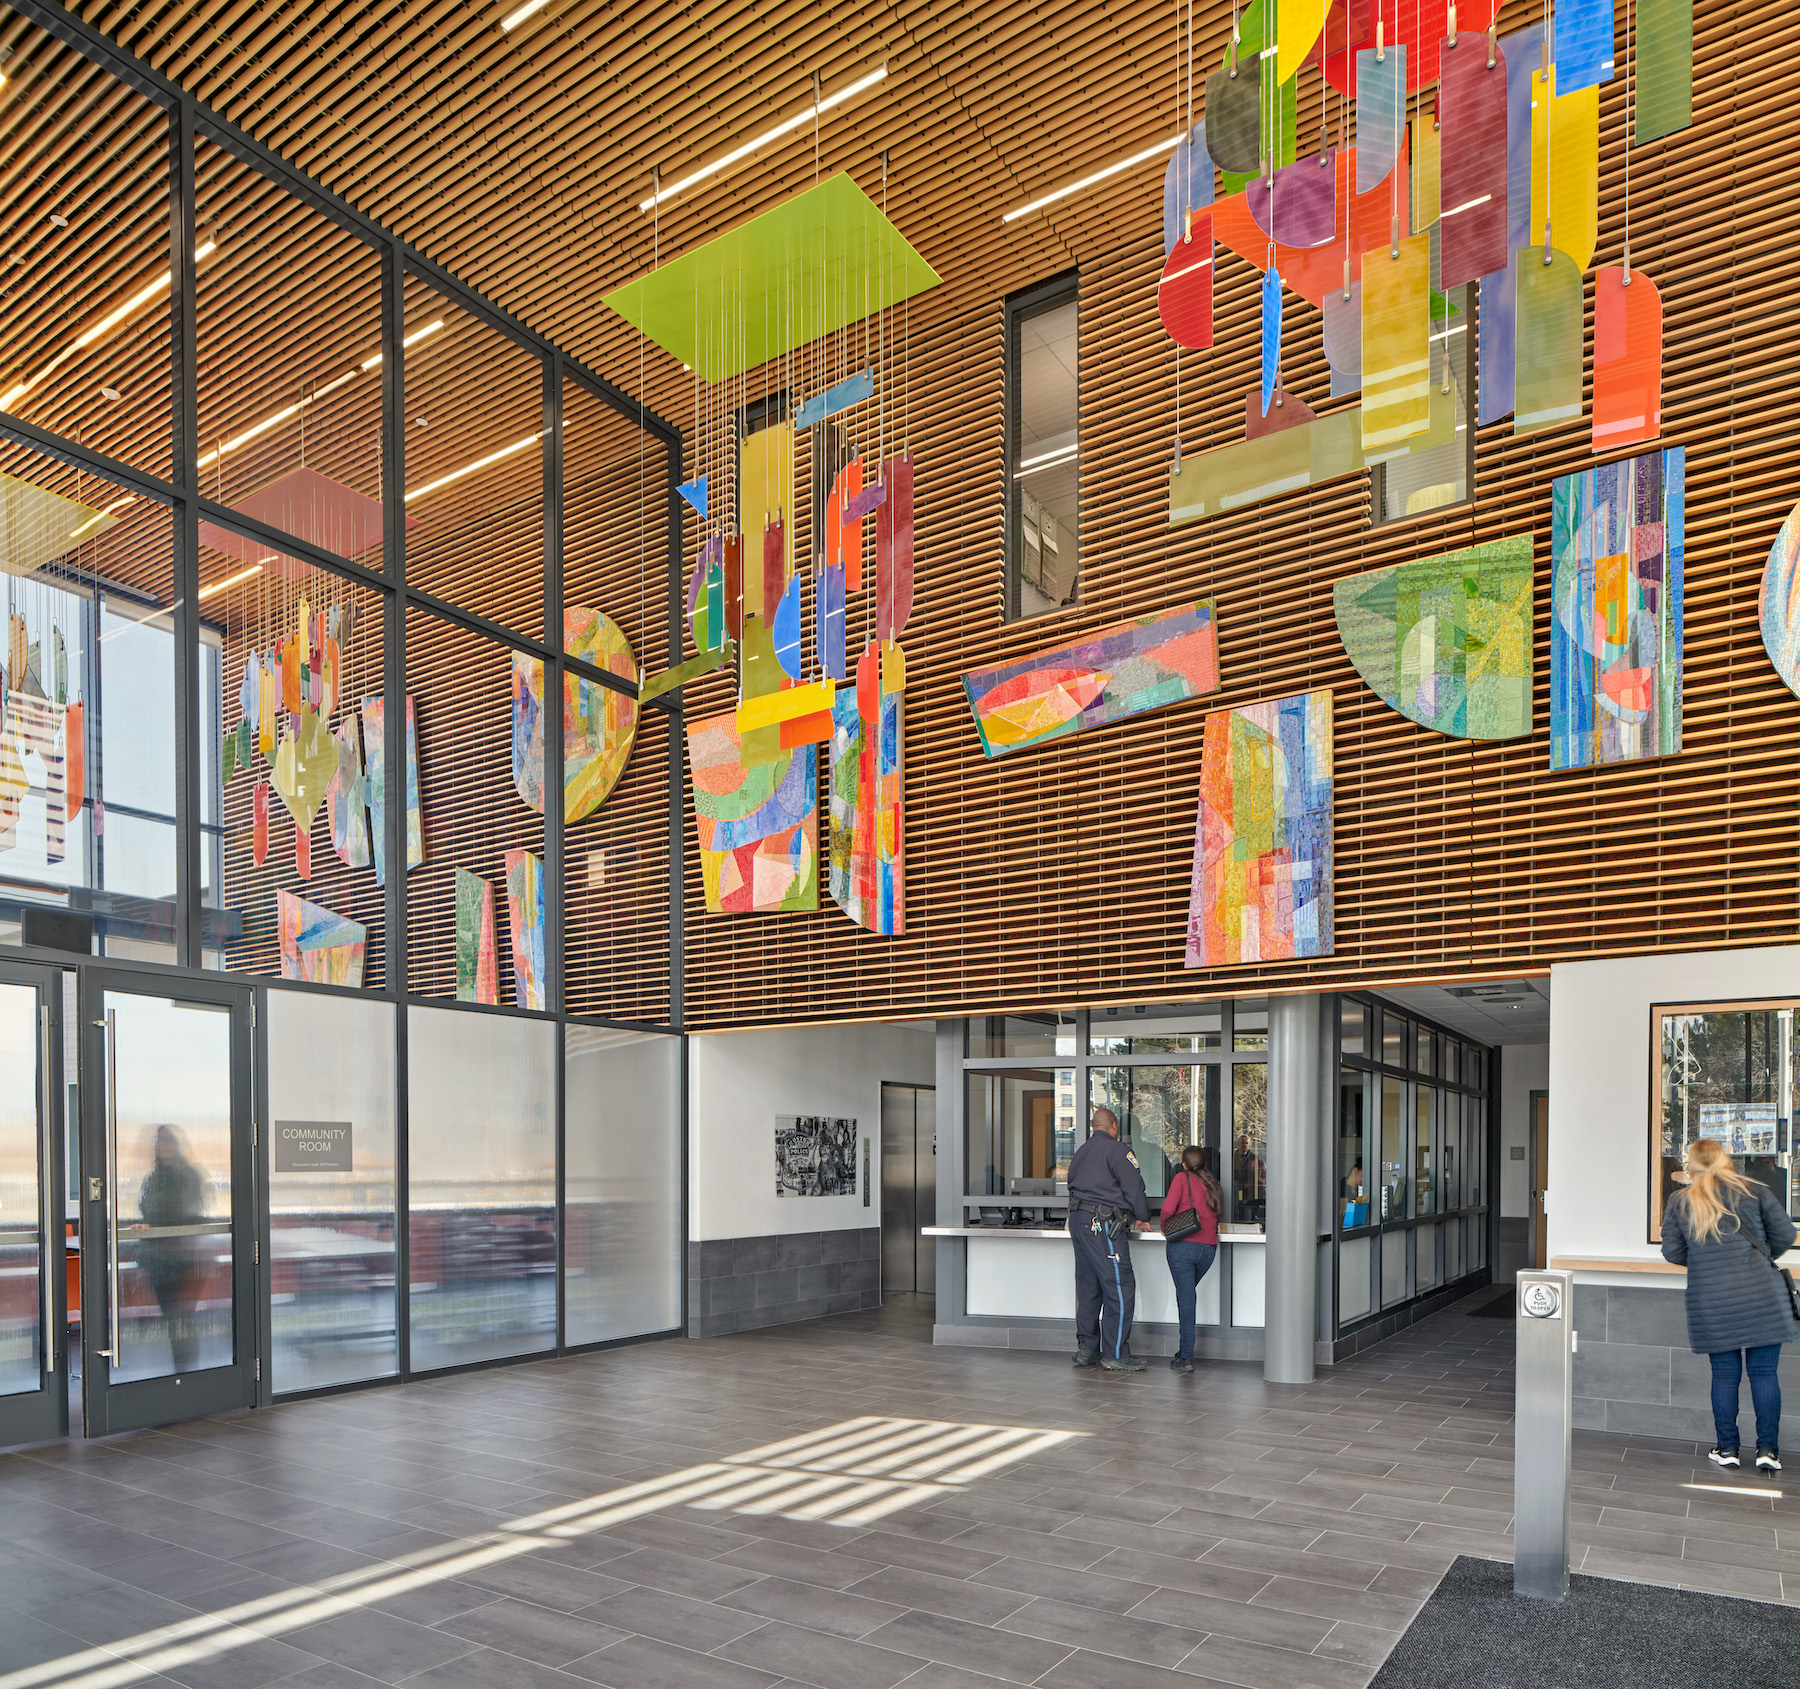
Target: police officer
x=1106 y=1193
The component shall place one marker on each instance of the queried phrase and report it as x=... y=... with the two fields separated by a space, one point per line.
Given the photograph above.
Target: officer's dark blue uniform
x=1106 y=1192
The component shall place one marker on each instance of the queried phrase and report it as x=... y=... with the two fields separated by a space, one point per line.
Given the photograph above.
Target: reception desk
x=1017 y=1280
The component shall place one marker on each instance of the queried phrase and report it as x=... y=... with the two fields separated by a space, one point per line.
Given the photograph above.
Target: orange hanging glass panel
x=1628 y=332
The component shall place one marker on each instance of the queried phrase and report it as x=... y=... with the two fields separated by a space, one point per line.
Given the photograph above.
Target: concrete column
x=1292 y=1155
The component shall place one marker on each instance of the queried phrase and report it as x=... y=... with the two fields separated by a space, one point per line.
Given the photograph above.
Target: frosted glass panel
x=1565 y=168
x=1663 y=62
x=622 y=1141
x=1425 y=1272
x=1547 y=352
x=1472 y=109
x=1393 y=1268
x=1353 y=1278
x=1628 y=337
x=331 y=1227
x=482 y=1178
x=1396 y=343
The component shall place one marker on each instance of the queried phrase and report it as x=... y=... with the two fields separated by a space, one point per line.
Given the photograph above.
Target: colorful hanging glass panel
x=1472 y=113
x=477 y=969
x=1380 y=115
x=318 y=944
x=1583 y=37
x=1778 y=606
x=1184 y=296
x=894 y=549
x=1396 y=344
x=599 y=723
x=1271 y=336
x=1663 y=68
x=1548 y=340
x=1261 y=888
x=374 y=715
x=1187 y=185
x=1232 y=119
x=867 y=825
x=1617 y=538
x=525 y=919
x=1628 y=330
x=1297 y=206
x=1497 y=343
x=1565 y=169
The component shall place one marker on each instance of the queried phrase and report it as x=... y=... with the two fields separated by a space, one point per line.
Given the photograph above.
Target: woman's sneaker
x=1724 y=1457
x=1768 y=1460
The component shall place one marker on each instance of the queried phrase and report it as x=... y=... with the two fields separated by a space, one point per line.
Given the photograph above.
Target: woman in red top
x=1190 y=1259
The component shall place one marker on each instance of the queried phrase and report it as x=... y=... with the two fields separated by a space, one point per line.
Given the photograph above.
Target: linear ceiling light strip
x=1094 y=180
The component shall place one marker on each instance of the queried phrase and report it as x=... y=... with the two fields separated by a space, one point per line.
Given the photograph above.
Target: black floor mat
x=1499 y=1306
x=1476 y=1634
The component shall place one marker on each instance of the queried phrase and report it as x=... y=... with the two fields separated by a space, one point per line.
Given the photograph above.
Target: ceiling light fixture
x=470 y=468
x=768 y=137
x=1094 y=180
x=206 y=592
x=95 y=520
x=111 y=393
x=57 y=222
x=95 y=331
x=530 y=9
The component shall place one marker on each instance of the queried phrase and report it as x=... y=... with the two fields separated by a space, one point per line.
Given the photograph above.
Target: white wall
x=1601 y=1079
x=1524 y=1068
x=738 y=1082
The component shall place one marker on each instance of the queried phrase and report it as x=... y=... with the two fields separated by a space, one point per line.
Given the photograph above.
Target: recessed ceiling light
x=530 y=9
x=1094 y=180
x=768 y=137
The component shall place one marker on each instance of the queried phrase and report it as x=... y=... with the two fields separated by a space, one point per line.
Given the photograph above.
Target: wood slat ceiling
x=1061 y=876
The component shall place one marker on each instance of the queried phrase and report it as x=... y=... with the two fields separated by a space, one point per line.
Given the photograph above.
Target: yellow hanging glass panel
x=1565 y=167
x=1396 y=343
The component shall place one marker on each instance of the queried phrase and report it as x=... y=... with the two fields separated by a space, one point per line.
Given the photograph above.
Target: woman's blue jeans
x=1727 y=1368
x=1188 y=1265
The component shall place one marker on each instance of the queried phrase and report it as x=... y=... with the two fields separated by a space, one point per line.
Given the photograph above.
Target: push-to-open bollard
x=1543 y=1427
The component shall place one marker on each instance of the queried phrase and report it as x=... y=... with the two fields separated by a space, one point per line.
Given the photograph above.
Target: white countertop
x=1062 y=1232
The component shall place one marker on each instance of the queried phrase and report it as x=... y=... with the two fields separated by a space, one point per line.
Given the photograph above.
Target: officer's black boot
x=1086 y=1357
x=1123 y=1363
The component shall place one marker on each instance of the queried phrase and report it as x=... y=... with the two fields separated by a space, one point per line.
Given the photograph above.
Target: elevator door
x=908 y=1188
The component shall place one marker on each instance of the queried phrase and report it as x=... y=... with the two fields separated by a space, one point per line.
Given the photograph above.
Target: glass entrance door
x=34 y=1393
x=168 y=1269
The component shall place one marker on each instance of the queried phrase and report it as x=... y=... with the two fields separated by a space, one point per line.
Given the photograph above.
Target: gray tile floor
x=595 y=1521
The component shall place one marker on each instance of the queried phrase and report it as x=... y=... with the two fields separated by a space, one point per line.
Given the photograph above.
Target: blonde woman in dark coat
x=1727 y=1230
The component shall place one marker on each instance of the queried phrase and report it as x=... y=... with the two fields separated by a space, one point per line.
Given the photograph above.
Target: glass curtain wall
x=283 y=561
x=1412 y=1152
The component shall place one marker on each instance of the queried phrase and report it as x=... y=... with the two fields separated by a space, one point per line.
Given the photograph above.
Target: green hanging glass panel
x=1547 y=345
x=1663 y=63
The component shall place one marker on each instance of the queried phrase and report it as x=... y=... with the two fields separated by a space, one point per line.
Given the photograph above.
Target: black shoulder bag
x=1184 y=1222
x=1781 y=1273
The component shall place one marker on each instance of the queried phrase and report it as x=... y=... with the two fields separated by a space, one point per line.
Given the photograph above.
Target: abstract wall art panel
x=374 y=718
x=318 y=944
x=758 y=824
x=1779 y=605
x=347 y=800
x=1616 y=544
x=1261 y=889
x=477 y=966
x=867 y=824
x=599 y=723
x=1113 y=673
x=525 y=920
x=1446 y=641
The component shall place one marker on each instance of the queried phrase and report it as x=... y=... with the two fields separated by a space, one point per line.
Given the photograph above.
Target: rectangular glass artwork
x=1261 y=889
x=1523 y=51
x=1111 y=674
x=1248 y=471
x=318 y=944
x=525 y=919
x=1583 y=43
x=1547 y=345
x=758 y=824
x=1628 y=336
x=477 y=965
x=1231 y=119
x=1380 y=114
x=374 y=715
x=1396 y=343
x=1565 y=168
x=1342 y=335
x=1426 y=175
x=1617 y=538
x=1663 y=68
x=1446 y=641
x=1472 y=115
x=1271 y=335
x=867 y=836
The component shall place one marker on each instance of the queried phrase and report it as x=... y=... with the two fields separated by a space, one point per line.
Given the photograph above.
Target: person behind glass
x=1191 y=1256
x=1106 y=1194
x=173 y=1194
x=1727 y=1230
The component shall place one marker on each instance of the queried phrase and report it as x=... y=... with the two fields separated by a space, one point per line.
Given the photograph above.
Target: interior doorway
x=129 y=1236
x=908 y=1188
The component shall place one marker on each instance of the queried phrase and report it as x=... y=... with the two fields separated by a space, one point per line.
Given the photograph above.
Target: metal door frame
x=108 y=1407
x=43 y=1416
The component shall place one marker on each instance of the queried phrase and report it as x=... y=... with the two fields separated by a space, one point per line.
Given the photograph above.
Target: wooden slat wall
x=1062 y=876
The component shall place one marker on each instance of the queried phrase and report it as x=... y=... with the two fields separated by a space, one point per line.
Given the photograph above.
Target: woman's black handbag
x=1781 y=1272
x=1181 y=1225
